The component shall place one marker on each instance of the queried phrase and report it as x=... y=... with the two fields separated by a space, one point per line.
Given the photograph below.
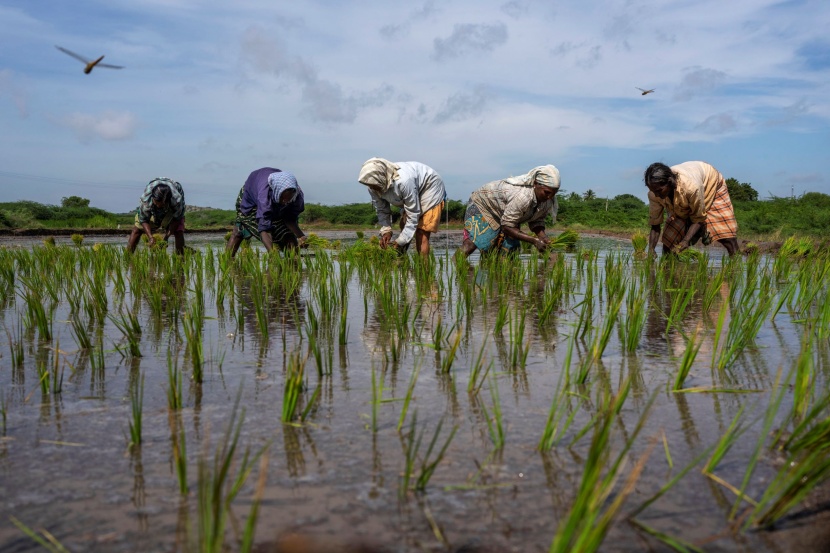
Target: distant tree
x=74 y=201
x=589 y=194
x=573 y=197
x=629 y=201
x=741 y=191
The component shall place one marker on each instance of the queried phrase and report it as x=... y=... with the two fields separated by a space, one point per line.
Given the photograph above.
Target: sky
x=478 y=90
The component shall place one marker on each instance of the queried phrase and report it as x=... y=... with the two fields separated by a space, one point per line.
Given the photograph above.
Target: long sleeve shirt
x=417 y=190
x=257 y=194
x=507 y=205
x=697 y=185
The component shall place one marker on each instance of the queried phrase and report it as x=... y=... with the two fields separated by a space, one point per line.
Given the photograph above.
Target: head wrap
x=378 y=172
x=546 y=175
x=282 y=181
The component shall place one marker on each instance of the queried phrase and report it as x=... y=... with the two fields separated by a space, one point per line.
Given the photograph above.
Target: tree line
x=808 y=214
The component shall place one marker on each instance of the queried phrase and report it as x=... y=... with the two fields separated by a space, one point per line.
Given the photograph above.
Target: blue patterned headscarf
x=280 y=182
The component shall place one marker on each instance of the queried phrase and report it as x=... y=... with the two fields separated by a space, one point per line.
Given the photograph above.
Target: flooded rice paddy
x=587 y=400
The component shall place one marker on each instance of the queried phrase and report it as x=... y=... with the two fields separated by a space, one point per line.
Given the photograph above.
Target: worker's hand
x=540 y=244
x=151 y=241
x=302 y=241
x=384 y=240
x=683 y=245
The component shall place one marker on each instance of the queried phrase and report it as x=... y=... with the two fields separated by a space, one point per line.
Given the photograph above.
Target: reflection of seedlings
x=410 y=389
x=16 y=350
x=136 y=409
x=428 y=464
x=4 y=408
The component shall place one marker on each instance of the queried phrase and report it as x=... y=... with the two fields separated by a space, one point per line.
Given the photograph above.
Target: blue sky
x=478 y=90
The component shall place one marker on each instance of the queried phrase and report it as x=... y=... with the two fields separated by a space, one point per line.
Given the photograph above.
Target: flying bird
x=89 y=63
x=644 y=91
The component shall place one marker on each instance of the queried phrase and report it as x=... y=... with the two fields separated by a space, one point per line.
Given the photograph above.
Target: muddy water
x=65 y=465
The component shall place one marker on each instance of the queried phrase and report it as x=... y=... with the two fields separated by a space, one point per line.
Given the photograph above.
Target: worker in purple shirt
x=268 y=207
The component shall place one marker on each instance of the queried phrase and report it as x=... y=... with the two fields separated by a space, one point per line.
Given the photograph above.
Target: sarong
x=429 y=221
x=479 y=232
x=247 y=225
x=720 y=222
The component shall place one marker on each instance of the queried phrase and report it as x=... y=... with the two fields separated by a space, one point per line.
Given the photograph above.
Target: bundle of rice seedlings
x=639 y=240
x=77 y=239
x=796 y=247
x=566 y=240
x=49 y=241
x=316 y=242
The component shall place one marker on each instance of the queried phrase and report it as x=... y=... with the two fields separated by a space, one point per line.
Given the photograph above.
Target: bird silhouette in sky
x=89 y=63
x=644 y=91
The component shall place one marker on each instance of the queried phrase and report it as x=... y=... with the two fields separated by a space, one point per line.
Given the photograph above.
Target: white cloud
x=18 y=95
x=107 y=125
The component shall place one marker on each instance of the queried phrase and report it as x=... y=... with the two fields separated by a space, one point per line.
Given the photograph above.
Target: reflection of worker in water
x=498 y=209
x=695 y=196
x=162 y=207
x=268 y=207
x=414 y=187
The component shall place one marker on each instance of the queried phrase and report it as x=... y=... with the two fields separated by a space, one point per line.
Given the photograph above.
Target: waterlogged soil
x=335 y=479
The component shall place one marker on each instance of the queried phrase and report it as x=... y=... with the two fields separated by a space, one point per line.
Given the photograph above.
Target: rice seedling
x=673 y=542
x=804 y=381
x=174 y=383
x=692 y=347
x=79 y=330
x=77 y=239
x=679 y=305
x=779 y=389
x=635 y=315
x=745 y=322
x=587 y=523
x=137 y=408
x=428 y=463
x=45 y=539
x=218 y=486
x=49 y=241
x=293 y=388
x=495 y=426
x=410 y=389
x=447 y=361
x=192 y=325
x=799 y=476
x=477 y=372
x=129 y=326
x=600 y=341
x=559 y=406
